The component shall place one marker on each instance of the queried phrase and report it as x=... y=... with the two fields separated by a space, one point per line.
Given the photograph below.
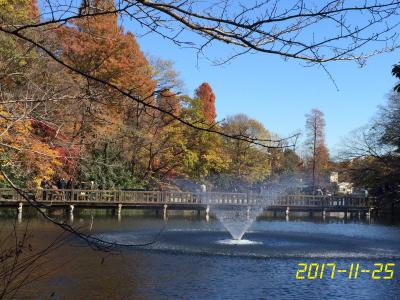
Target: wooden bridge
x=184 y=200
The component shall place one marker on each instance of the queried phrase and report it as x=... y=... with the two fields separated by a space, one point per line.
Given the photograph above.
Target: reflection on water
x=195 y=259
x=237 y=242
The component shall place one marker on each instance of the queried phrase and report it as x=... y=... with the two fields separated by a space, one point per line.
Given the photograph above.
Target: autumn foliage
x=56 y=123
x=207 y=97
x=169 y=102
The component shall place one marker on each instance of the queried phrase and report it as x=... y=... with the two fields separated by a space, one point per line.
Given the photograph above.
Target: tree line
x=66 y=111
x=56 y=124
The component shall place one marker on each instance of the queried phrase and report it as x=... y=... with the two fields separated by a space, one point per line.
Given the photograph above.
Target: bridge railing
x=170 y=197
x=322 y=201
x=10 y=195
x=100 y=196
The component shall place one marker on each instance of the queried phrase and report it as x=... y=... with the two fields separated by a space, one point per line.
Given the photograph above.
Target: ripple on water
x=262 y=244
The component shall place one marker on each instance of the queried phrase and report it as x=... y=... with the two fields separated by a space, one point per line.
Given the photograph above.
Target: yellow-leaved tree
x=24 y=155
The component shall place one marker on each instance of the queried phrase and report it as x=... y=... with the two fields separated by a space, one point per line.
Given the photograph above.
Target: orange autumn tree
x=104 y=123
x=99 y=47
x=66 y=153
x=206 y=95
x=22 y=153
x=168 y=102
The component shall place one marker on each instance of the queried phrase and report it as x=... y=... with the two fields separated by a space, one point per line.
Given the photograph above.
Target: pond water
x=196 y=259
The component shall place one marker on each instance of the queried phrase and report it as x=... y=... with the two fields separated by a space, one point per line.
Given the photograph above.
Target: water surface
x=193 y=260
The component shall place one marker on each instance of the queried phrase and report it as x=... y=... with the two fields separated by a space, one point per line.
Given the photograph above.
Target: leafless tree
x=363 y=142
x=316 y=150
x=313 y=31
x=389 y=121
x=370 y=152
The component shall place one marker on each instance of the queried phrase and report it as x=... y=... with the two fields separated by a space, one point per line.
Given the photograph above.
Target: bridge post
x=71 y=213
x=119 y=209
x=208 y=211
x=20 y=206
x=165 y=210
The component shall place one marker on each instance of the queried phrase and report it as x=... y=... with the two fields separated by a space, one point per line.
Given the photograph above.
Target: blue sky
x=279 y=93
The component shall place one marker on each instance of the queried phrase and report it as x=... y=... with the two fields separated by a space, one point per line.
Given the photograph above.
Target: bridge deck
x=183 y=200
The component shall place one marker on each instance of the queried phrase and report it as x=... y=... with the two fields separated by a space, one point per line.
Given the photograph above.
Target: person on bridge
x=44 y=186
x=70 y=186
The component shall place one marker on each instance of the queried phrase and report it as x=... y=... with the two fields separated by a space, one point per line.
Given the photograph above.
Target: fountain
x=237 y=216
x=238 y=219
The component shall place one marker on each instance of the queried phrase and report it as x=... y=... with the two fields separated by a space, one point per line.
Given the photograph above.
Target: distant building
x=345 y=187
x=334 y=177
